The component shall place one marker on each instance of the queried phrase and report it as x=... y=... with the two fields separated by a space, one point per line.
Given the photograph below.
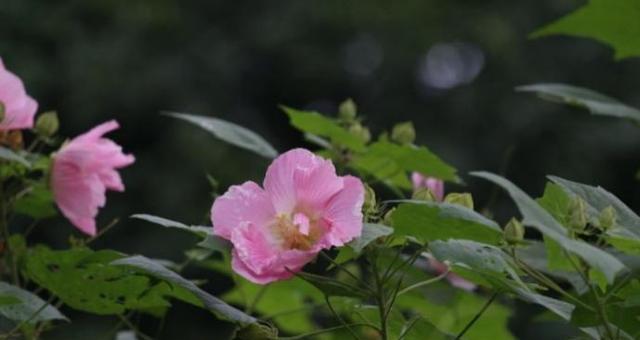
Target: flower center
x=296 y=231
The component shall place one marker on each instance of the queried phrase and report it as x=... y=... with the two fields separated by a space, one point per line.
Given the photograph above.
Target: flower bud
x=464 y=199
x=514 y=232
x=361 y=132
x=369 y=206
x=387 y=219
x=257 y=331
x=608 y=218
x=347 y=111
x=47 y=124
x=403 y=133
x=424 y=194
x=578 y=214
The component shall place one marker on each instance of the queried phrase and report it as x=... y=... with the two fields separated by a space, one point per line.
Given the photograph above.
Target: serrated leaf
x=84 y=280
x=210 y=302
x=596 y=103
x=231 y=133
x=26 y=306
x=535 y=216
x=370 y=233
x=614 y=22
x=391 y=162
x=428 y=221
x=317 y=124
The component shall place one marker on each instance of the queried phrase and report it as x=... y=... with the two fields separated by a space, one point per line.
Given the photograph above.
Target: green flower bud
x=424 y=194
x=464 y=199
x=257 y=331
x=2 y=111
x=347 y=111
x=369 y=206
x=608 y=218
x=47 y=124
x=578 y=217
x=387 y=219
x=362 y=132
x=514 y=232
x=403 y=133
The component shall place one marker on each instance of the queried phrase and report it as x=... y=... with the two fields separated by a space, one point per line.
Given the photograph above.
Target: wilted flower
x=304 y=208
x=436 y=187
x=83 y=170
x=18 y=109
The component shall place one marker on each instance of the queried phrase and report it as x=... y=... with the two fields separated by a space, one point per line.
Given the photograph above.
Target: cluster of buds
x=348 y=116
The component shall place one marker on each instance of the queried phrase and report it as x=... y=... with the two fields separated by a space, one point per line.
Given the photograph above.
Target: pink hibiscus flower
x=437 y=188
x=304 y=208
x=83 y=169
x=19 y=109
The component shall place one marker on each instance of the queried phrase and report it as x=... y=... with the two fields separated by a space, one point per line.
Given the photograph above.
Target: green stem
x=346 y=271
x=337 y=316
x=424 y=283
x=477 y=316
x=4 y=227
x=256 y=299
x=326 y=330
x=381 y=299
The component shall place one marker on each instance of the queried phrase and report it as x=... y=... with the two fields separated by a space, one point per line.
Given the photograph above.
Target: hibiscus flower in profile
x=18 y=109
x=82 y=171
x=436 y=186
x=302 y=208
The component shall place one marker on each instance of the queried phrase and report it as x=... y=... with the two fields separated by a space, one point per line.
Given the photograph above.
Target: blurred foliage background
x=449 y=66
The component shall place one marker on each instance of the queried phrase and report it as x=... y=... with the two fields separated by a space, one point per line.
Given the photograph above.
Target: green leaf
x=210 y=302
x=291 y=302
x=317 y=124
x=231 y=133
x=370 y=233
x=332 y=287
x=614 y=22
x=626 y=234
x=26 y=306
x=535 y=216
x=387 y=161
x=37 y=203
x=596 y=103
x=10 y=155
x=419 y=328
x=84 y=280
x=428 y=221
x=198 y=230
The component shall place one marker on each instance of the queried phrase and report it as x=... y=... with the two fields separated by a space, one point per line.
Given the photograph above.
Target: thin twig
x=477 y=316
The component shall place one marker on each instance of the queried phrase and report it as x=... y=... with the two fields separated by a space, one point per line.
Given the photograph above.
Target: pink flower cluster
x=83 y=169
x=302 y=208
x=436 y=186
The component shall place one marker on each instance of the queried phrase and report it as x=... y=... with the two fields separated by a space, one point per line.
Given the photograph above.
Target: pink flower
x=82 y=171
x=437 y=188
x=435 y=185
x=19 y=108
x=304 y=208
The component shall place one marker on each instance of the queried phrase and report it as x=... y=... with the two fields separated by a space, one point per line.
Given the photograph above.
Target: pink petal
x=459 y=282
x=241 y=204
x=298 y=178
x=421 y=182
x=19 y=108
x=343 y=213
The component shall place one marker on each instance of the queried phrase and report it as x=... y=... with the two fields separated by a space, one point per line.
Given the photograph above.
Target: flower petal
x=343 y=214
x=241 y=204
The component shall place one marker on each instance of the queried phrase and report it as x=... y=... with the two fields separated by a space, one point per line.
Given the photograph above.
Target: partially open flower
x=81 y=173
x=18 y=109
x=434 y=185
x=304 y=208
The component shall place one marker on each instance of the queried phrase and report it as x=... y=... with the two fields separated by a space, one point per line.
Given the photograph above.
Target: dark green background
x=94 y=60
